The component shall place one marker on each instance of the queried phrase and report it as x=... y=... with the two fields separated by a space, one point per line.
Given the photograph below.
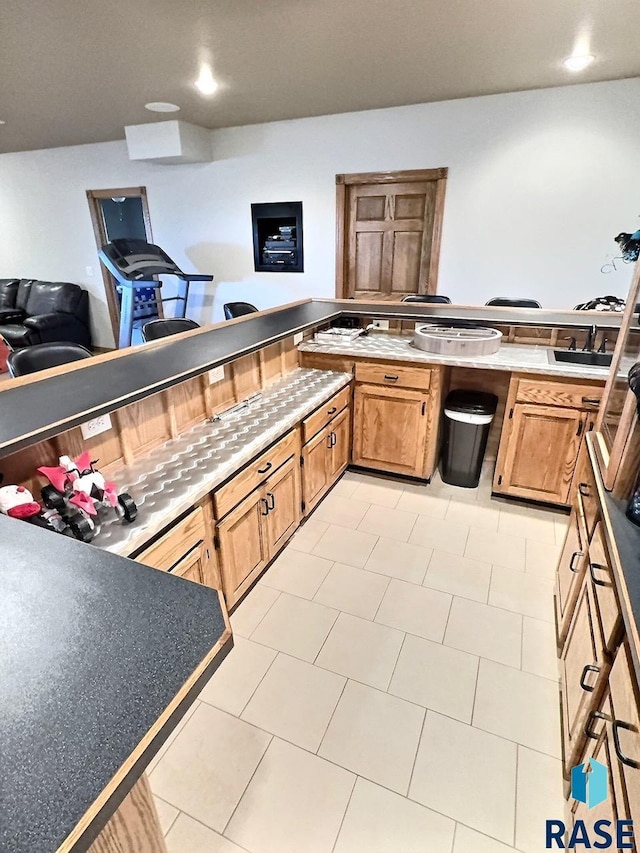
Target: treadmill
x=134 y=263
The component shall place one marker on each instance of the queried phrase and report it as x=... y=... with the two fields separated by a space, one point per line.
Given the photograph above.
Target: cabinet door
x=340 y=445
x=390 y=429
x=543 y=446
x=571 y=568
x=282 y=492
x=315 y=468
x=626 y=729
x=243 y=546
x=584 y=671
x=191 y=566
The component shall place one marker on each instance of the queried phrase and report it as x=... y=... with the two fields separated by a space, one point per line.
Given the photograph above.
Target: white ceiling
x=75 y=72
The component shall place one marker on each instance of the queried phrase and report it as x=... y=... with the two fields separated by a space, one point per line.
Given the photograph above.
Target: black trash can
x=467 y=421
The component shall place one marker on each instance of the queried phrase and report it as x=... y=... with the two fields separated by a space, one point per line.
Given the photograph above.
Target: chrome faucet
x=591 y=338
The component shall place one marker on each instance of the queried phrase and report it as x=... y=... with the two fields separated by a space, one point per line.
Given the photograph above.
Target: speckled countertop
x=94 y=649
x=516 y=358
x=169 y=480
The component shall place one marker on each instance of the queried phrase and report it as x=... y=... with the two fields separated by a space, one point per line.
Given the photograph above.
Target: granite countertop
x=95 y=649
x=516 y=358
x=172 y=478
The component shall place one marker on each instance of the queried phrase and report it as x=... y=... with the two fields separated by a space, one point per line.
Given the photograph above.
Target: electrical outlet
x=297 y=339
x=89 y=271
x=95 y=426
x=216 y=374
x=381 y=324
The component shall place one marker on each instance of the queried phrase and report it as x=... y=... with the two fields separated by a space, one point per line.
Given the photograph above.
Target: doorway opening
x=115 y=213
x=388 y=227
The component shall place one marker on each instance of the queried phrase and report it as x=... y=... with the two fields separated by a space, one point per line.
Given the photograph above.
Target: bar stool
x=42 y=356
x=238 y=309
x=155 y=329
x=507 y=302
x=428 y=297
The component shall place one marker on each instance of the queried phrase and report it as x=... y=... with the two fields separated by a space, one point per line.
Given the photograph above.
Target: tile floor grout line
x=344 y=814
x=175 y=817
x=415 y=757
x=324 y=734
x=246 y=787
x=264 y=614
x=395 y=666
x=515 y=798
x=268 y=670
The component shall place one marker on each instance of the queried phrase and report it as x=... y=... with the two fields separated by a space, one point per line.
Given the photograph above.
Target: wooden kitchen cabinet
x=324 y=458
x=242 y=545
x=185 y=550
x=252 y=534
x=571 y=569
x=542 y=435
x=584 y=670
x=390 y=429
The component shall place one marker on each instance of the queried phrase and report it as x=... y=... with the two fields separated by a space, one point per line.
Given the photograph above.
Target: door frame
x=406 y=176
x=93 y=199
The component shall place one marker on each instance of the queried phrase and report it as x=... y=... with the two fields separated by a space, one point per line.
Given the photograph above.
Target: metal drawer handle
x=272 y=500
x=592 y=569
x=266 y=468
x=583 y=488
x=334 y=439
x=265 y=504
x=591 y=401
x=588 y=668
x=332 y=410
x=573 y=556
x=390 y=378
x=630 y=762
x=594 y=715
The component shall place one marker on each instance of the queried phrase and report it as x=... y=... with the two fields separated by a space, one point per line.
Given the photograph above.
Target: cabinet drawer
x=321 y=417
x=176 y=543
x=255 y=473
x=604 y=590
x=394 y=375
x=586 y=496
x=572 y=395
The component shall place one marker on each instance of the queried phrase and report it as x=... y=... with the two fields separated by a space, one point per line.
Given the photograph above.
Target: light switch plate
x=381 y=324
x=298 y=338
x=216 y=374
x=95 y=426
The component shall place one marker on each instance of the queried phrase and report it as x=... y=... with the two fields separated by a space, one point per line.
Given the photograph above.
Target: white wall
x=539 y=184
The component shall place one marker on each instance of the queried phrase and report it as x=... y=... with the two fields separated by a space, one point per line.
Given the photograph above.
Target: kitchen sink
x=592 y=359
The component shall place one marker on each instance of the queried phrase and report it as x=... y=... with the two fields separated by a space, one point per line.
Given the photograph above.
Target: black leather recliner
x=38 y=312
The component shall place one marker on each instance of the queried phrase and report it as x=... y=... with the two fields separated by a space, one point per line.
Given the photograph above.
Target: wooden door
x=282 y=491
x=192 y=566
x=243 y=545
x=583 y=671
x=315 y=468
x=389 y=233
x=390 y=429
x=571 y=568
x=542 y=451
x=340 y=445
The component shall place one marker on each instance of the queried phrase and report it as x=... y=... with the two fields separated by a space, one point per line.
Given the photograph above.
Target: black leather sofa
x=39 y=312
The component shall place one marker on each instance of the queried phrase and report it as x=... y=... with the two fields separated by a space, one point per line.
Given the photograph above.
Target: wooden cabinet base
x=134 y=828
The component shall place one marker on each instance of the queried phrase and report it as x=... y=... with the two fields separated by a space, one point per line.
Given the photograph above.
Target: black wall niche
x=277 y=236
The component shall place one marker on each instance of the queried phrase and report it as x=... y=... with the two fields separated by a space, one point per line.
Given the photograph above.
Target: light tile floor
x=393 y=687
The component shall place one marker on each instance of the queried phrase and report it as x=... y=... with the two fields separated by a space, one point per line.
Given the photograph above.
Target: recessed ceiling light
x=161 y=107
x=2 y=121
x=579 y=62
x=205 y=83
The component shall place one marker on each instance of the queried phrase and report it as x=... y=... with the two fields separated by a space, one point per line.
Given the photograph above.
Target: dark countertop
x=43 y=407
x=95 y=648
